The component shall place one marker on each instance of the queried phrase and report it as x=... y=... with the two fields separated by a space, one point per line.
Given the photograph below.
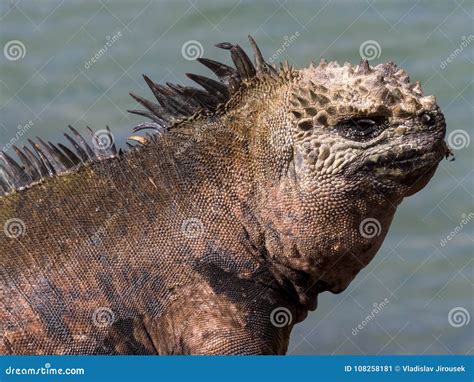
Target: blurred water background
x=426 y=278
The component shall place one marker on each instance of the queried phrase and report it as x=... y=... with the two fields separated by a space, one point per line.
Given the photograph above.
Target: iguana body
x=246 y=205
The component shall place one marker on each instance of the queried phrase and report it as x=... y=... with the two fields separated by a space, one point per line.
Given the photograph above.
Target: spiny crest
x=329 y=92
x=175 y=103
x=45 y=160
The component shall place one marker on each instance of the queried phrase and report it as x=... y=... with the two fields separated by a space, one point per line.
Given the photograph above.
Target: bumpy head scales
x=363 y=120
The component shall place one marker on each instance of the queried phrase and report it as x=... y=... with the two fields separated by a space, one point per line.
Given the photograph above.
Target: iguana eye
x=361 y=129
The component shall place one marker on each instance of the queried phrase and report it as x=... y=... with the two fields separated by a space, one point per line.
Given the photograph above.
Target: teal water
x=422 y=279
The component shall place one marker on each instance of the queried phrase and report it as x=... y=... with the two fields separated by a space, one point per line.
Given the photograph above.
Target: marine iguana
x=216 y=234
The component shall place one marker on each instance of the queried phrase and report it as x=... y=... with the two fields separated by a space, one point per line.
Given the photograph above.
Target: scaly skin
x=205 y=238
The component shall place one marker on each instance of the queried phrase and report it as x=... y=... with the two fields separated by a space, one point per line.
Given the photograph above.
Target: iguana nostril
x=427 y=119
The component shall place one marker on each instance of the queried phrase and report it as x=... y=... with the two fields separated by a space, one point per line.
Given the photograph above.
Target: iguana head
x=364 y=126
x=360 y=139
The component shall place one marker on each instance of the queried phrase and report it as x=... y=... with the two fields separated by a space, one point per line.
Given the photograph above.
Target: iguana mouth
x=405 y=161
x=406 y=156
x=411 y=168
